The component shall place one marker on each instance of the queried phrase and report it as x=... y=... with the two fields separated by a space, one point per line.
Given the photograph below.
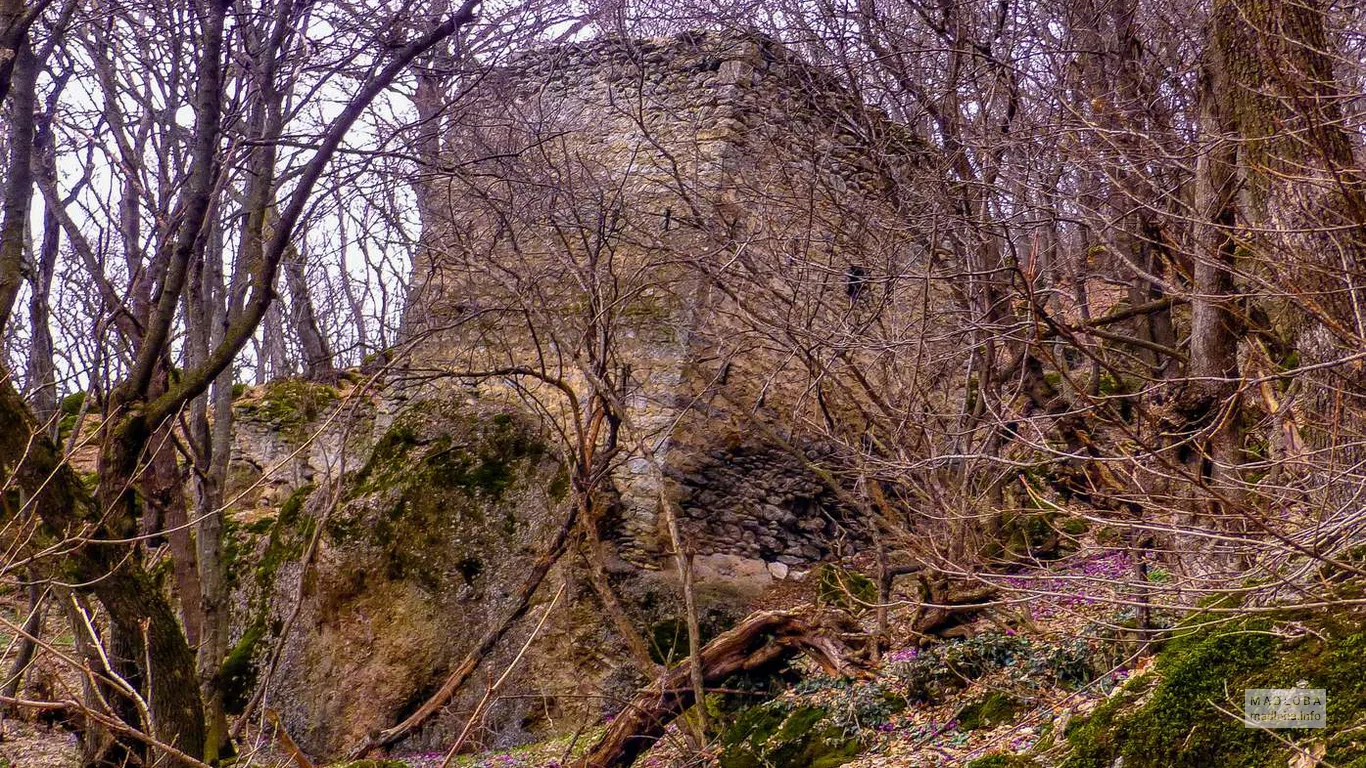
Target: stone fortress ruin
x=664 y=221
x=673 y=196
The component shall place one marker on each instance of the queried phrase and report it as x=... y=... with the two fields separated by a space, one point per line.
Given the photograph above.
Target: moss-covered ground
x=1188 y=714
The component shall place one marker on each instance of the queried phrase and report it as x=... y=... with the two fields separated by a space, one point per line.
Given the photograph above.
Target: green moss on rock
x=482 y=460
x=288 y=404
x=254 y=564
x=1179 y=723
x=288 y=536
x=426 y=492
x=239 y=670
x=777 y=733
x=994 y=709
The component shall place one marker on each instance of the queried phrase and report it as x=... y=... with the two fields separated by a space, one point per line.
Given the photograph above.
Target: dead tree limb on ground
x=763 y=639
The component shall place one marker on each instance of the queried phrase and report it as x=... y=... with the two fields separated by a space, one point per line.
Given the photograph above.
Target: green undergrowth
x=935 y=673
x=1004 y=761
x=70 y=408
x=826 y=723
x=1173 y=718
x=782 y=733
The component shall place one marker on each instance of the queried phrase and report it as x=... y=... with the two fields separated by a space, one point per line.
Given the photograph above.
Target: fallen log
x=763 y=639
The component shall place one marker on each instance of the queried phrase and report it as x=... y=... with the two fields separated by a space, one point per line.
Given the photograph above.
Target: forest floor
x=1008 y=686
x=26 y=744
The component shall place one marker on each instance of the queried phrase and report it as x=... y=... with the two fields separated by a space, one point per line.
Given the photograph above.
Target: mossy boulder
x=996 y=708
x=780 y=733
x=1187 y=715
x=424 y=498
x=420 y=552
x=287 y=404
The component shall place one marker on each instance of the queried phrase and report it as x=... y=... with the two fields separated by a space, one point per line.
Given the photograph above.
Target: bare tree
x=149 y=647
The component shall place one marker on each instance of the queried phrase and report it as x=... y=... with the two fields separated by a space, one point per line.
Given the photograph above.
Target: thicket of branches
x=1139 y=231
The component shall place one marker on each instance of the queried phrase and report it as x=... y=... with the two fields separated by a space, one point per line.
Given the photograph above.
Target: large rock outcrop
x=427 y=508
x=416 y=557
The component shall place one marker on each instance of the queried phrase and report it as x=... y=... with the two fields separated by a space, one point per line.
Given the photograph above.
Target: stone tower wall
x=677 y=194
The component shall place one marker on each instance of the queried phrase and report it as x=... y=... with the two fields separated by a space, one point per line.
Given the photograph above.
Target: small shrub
x=997 y=708
x=865 y=706
x=70 y=408
x=71 y=404
x=936 y=670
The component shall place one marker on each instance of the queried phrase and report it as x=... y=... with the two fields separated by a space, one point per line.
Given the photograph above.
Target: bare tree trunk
x=32 y=628
x=1207 y=393
x=211 y=441
x=41 y=373
x=18 y=184
x=138 y=611
x=1271 y=76
x=597 y=576
x=1119 y=94
x=147 y=643
x=95 y=740
x=1214 y=325
x=163 y=489
x=698 y=675
x=317 y=357
x=42 y=398
x=274 y=360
